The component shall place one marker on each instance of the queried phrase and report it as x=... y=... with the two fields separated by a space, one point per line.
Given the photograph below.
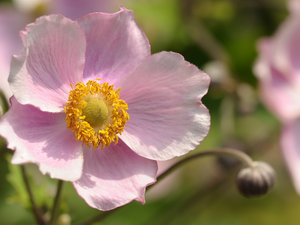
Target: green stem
x=221 y=151
x=36 y=211
x=56 y=204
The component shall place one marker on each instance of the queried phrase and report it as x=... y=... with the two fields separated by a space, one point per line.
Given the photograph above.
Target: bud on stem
x=253 y=181
x=257 y=180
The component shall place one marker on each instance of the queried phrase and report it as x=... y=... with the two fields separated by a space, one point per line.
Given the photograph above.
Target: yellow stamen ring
x=95 y=113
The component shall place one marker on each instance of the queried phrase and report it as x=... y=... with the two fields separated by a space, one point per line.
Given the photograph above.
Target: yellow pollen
x=95 y=113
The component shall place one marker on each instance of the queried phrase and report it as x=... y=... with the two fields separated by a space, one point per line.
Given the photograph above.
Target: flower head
x=256 y=181
x=92 y=106
x=277 y=69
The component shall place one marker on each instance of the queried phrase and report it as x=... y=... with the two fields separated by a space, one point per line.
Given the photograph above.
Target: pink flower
x=63 y=127
x=278 y=70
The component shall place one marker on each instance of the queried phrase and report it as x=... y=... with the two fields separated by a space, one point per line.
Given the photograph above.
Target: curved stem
x=220 y=151
x=56 y=204
x=36 y=211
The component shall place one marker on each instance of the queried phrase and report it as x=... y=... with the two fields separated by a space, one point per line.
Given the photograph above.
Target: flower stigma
x=95 y=113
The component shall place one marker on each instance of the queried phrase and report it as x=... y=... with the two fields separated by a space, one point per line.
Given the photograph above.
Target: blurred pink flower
x=278 y=70
x=55 y=125
x=13 y=19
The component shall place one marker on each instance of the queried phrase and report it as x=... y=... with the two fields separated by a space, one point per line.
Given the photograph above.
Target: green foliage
x=43 y=187
x=162 y=23
x=14 y=177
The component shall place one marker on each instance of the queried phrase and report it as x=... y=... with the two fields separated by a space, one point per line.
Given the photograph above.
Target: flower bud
x=256 y=181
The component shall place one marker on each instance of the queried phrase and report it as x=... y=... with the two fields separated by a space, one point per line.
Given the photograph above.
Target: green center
x=95 y=112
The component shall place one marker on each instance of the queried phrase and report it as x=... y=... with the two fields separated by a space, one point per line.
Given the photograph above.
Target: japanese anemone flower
x=92 y=106
x=277 y=69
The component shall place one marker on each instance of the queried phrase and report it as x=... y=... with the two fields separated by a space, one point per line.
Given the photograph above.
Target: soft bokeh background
x=218 y=36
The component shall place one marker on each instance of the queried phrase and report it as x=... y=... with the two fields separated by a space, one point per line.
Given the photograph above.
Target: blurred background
x=219 y=37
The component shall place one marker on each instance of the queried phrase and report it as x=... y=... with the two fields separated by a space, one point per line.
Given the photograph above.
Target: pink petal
x=74 y=9
x=42 y=138
x=281 y=97
x=285 y=52
x=279 y=91
x=11 y=22
x=115 y=45
x=114 y=177
x=53 y=58
x=290 y=146
x=167 y=118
